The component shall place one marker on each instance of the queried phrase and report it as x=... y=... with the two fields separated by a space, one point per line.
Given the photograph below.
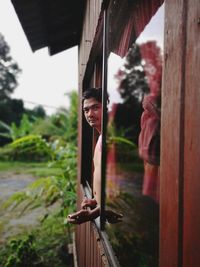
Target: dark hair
x=95 y=93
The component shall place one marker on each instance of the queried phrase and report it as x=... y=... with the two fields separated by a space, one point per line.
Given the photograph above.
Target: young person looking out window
x=90 y=208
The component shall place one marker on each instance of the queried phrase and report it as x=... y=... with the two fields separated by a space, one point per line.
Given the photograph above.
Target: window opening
x=133 y=145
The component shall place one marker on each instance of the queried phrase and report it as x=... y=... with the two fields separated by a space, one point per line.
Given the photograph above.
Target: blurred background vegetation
x=31 y=142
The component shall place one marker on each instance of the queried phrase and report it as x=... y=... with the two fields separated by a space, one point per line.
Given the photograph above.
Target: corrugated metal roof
x=49 y=23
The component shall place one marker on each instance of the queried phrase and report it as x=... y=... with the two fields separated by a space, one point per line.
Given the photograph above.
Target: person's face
x=93 y=111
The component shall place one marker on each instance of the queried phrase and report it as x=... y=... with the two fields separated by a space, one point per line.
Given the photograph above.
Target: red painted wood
x=180 y=146
x=172 y=137
x=191 y=243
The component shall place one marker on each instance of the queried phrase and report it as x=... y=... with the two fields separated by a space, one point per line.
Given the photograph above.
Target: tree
x=72 y=119
x=9 y=71
x=11 y=110
x=132 y=88
x=140 y=75
x=133 y=84
x=39 y=112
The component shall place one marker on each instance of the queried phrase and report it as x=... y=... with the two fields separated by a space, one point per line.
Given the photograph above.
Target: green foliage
x=5 y=153
x=54 y=234
x=61 y=125
x=13 y=132
x=31 y=147
x=39 y=112
x=121 y=140
x=24 y=128
x=5 y=128
x=67 y=120
x=72 y=121
x=48 y=190
x=15 y=199
x=20 y=252
x=52 y=243
x=58 y=189
x=125 y=147
x=46 y=128
x=138 y=233
x=66 y=160
x=36 y=169
x=10 y=109
x=42 y=192
x=41 y=246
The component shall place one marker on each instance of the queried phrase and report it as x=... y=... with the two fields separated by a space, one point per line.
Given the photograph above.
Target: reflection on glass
x=133 y=147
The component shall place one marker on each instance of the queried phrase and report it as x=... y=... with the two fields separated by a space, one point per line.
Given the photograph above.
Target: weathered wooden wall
x=180 y=147
x=172 y=135
x=89 y=248
x=191 y=194
x=89 y=31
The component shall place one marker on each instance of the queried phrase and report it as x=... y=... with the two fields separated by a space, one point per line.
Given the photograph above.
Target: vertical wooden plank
x=172 y=136
x=98 y=255
x=86 y=245
x=83 y=245
x=192 y=136
x=92 y=246
x=95 y=250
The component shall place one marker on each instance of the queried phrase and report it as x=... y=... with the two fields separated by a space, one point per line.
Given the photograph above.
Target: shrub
x=30 y=148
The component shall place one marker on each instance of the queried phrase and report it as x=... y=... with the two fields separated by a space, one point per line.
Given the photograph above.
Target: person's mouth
x=92 y=121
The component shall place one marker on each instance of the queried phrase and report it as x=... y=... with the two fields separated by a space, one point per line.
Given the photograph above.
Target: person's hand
x=87 y=202
x=79 y=217
x=82 y=216
x=113 y=217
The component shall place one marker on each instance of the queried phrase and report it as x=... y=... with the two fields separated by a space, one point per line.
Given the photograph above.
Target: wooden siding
x=90 y=28
x=191 y=229
x=172 y=136
x=180 y=147
x=89 y=247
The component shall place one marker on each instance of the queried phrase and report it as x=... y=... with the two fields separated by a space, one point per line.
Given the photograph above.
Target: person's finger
x=84 y=205
x=73 y=218
x=73 y=221
x=75 y=215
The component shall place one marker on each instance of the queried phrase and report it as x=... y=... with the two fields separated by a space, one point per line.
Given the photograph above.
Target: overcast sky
x=44 y=79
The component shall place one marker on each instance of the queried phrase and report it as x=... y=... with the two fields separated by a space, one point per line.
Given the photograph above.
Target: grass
x=51 y=238
x=36 y=169
x=50 y=246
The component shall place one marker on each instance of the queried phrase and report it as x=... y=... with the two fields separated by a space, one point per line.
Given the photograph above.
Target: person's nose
x=90 y=113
